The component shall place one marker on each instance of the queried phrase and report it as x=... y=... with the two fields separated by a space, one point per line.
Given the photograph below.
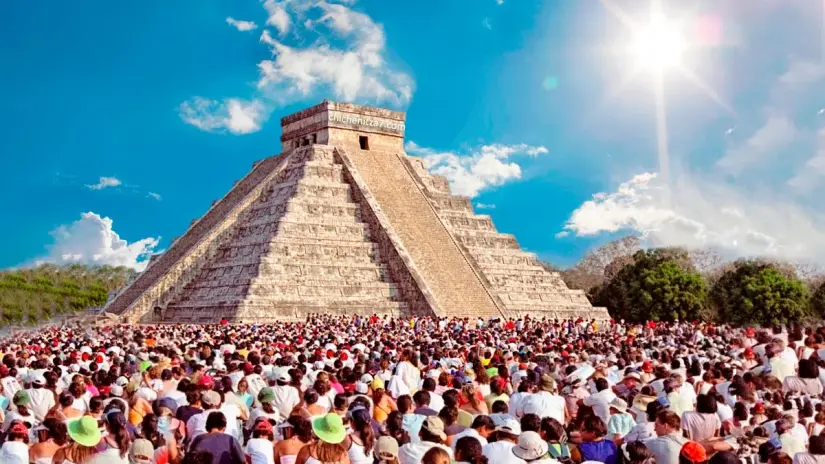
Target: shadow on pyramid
x=343 y=222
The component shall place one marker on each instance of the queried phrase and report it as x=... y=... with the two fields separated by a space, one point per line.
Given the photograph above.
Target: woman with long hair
x=471 y=400
x=394 y=427
x=383 y=405
x=329 y=447
x=85 y=435
x=53 y=437
x=468 y=450
x=244 y=395
x=114 y=447
x=362 y=437
x=296 y=433
x=163 y=440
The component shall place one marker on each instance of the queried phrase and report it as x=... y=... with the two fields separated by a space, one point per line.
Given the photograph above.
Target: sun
x=659 y=44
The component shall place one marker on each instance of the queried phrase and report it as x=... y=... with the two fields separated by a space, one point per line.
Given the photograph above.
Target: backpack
x=561 y=452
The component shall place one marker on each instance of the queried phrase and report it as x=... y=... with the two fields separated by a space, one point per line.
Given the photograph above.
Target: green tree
x=659 y=284
x=818 y=300
x=757 y=292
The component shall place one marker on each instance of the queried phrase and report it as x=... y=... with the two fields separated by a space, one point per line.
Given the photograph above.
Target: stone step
x=321 y=215
x=308 y=206
x=486 y=266
x=503 y=255
x=281 y=311
x=306 y=188
x=509 y=279
x=320 y=170
x=293 y=272
x=469 y=223
x=273 y=292
x=538 y=298
x=443 y=202
x=487 y=240
x=332 y=231
x=560 y=312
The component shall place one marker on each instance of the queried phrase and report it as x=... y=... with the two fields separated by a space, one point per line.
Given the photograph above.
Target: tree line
x=33 y=295
x=664 y=284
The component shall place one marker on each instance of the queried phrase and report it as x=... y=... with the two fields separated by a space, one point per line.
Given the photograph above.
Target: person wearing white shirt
x=482 y=428
x=545 y=403
x=286 y=396
x=408 y=373
x=600 y=402
x=501 y=451
x=42 y=400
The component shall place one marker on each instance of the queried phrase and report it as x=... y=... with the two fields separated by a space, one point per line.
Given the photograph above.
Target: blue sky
x=123 y=124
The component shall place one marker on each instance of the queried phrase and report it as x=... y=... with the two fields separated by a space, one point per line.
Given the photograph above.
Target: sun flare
x=659 y=43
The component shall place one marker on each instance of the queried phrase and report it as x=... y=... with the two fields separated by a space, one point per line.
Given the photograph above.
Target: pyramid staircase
x=520 y=284
x=299 y=248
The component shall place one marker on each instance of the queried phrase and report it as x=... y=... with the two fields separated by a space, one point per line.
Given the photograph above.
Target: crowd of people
x=368 y=390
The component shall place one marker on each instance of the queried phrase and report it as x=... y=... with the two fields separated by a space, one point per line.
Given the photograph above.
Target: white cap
x=116 y=390
x=361 y=387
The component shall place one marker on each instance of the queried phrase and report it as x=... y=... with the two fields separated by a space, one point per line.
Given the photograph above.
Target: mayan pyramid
x=344 y=222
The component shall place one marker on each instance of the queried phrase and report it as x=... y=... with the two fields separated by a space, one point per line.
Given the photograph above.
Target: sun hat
x=435 y=426
x=266 y=395
x=530 y=446
x=211 y=398
x=330 y=428
x=633 y=375
x=510 y=426
x=21 y=398
x=547 y=383
x=84 y=431
x=619 y=405
x=19 y=427
x=142 y=452
x=386 y=448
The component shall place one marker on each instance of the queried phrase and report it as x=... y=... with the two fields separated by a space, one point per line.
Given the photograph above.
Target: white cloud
x=154 y=195
x=484 y=168
x=500 y=2
x=352 y=66
x=91 y=240
x=486 y=24
x=777 y=133
x=810 y=175
x=105 y=182
x=278 y=17
x=697 y=212
x=802 y=72
x=233 y=115
x=485 y=206
x=242 y=26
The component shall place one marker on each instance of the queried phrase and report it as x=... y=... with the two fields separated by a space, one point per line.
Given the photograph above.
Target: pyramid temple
x=344 y=222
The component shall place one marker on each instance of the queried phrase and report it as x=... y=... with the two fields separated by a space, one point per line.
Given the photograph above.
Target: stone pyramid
x=344 y=222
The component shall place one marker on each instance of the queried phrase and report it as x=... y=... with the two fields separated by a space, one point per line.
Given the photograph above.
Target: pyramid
x=344 y=222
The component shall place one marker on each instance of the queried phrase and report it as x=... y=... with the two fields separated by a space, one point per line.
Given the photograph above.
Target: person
x=436 y=455
x=163 y=440
x=702 y=424
x=806 y=383
x=223 y=447
x=531 y=448
x=816 y=449
x=51 y=436
x=554 y=434
x=22 y=413
x=85 y=435
x=362 y=437
x=693 y=453
x=329 y=448
x=600 y=401
x=410 y=420
x=296 y=433
x=669 y=440
x=594 y=446
x=386 y=450
x=142 y=452
x=431 y=436
x=394 y=427
x=545 y=402
x=259 y=448
x=267 y=409
x=15 y=450
x=501 y=450
x=471 y=400
x=481 y=429
x=41 y=400
x=635 y=452
x=621 y=423
x=284 y=397
x=791 y=444
x=114 y=447
x=468 y=451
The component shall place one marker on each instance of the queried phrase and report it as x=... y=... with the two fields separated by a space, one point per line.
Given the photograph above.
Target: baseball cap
x=386 y=448
x=510 y=426
x=435 y=426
